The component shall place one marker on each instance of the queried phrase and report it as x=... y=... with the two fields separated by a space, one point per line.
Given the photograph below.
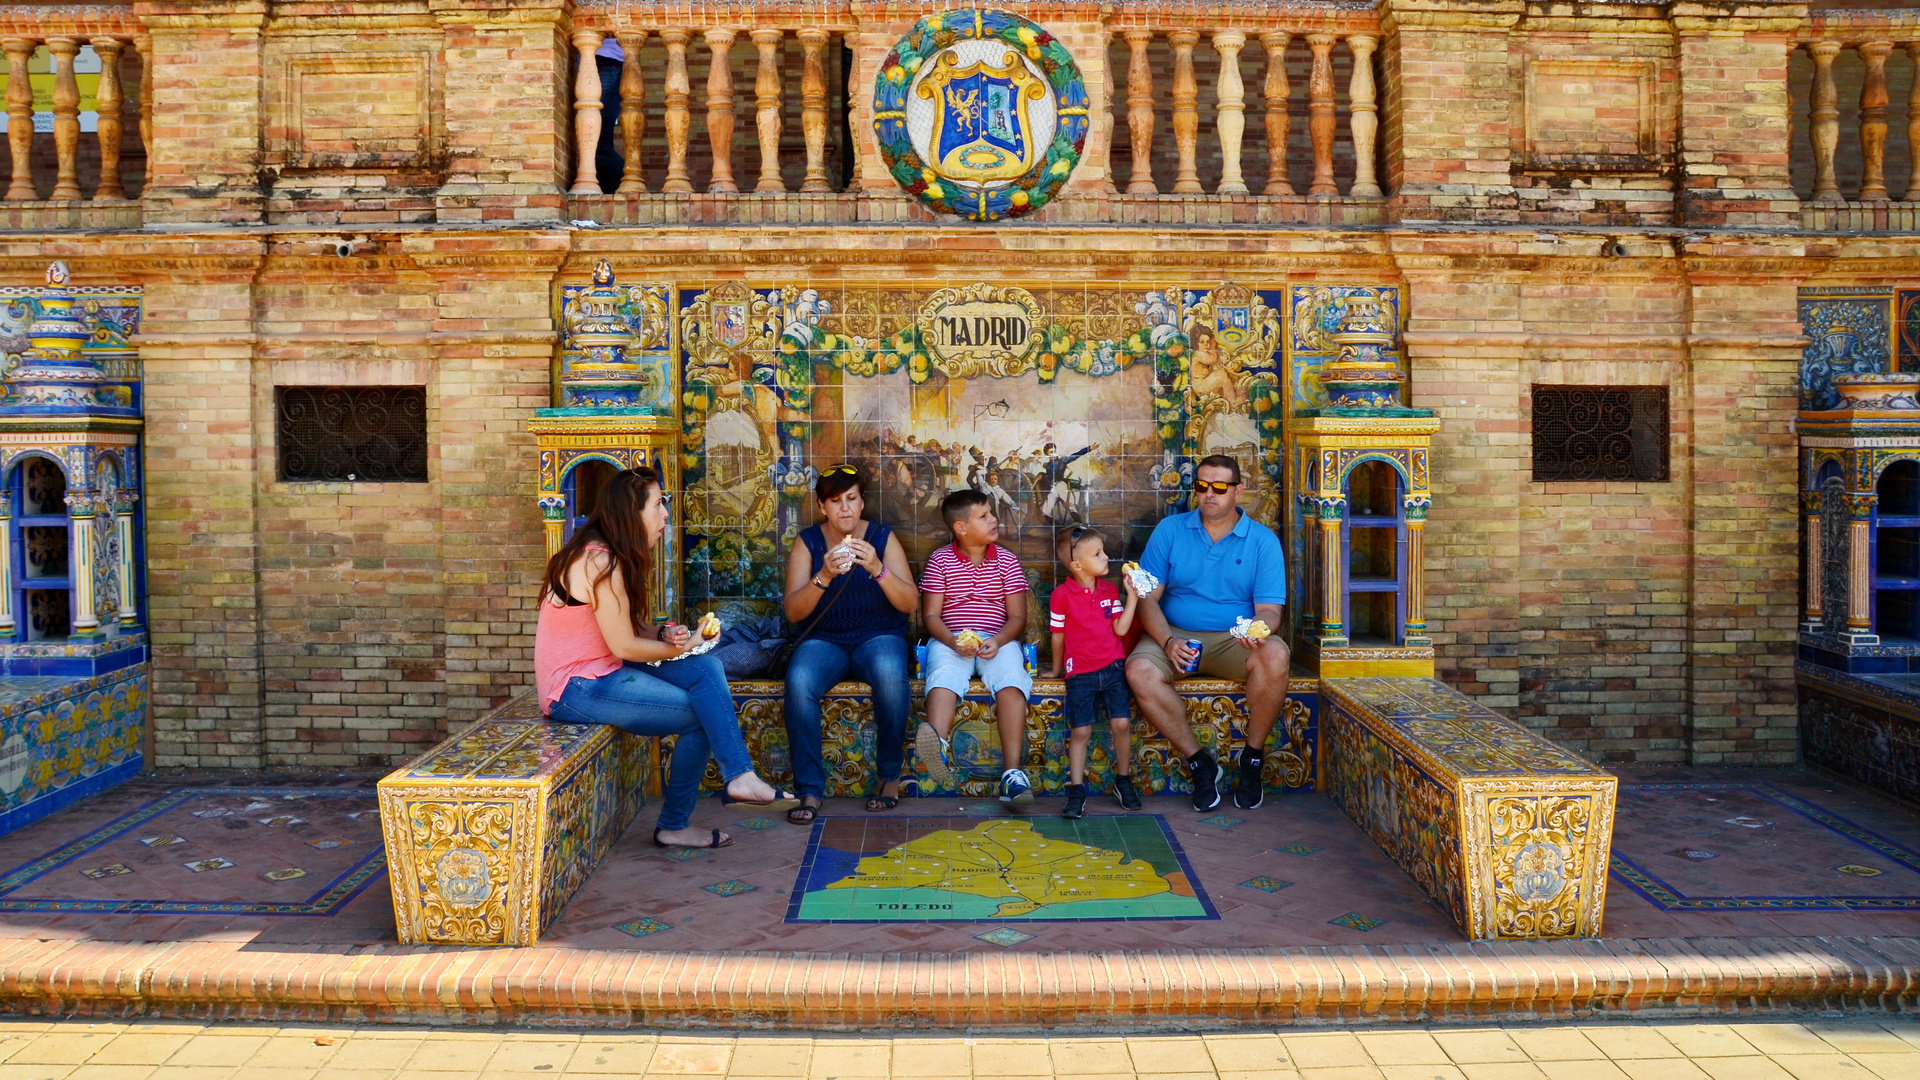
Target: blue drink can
x=1193 y=665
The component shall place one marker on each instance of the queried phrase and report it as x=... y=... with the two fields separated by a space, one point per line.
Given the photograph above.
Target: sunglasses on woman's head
x=838 y=470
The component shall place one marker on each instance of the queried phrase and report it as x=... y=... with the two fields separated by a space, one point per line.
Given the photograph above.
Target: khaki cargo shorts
x=1221 y=655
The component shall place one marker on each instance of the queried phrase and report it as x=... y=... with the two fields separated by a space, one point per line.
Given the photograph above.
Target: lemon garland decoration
x=1025 y=193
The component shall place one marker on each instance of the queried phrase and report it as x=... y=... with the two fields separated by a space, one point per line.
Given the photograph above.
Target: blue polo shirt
x=1208 y=584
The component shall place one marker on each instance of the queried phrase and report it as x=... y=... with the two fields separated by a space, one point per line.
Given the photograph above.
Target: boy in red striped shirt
x=973 y=600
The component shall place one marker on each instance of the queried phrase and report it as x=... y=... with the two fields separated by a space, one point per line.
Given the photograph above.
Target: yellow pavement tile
x=1012 y=1057
x=1342 y=1072
x=1861 y=1039
x=1821 y=1067
x=293 y=1052
x=386 y=1055
x=771 y=1057
x=1502 y=1070
x=440 y=1054
x=1707 y=1040
x=1257 y=1074
x=44 y=1071
x=1425 y=1072
x=1741 y=1068
x=1246 y=1053
x=267 y=1072
x=930 y=1057
x=1776 y=1039
x=605 y=1055
x=1075 y=1057
x=63 y=1046
x=1328 y=1051
x=1403 y=1048
x=1486 y=1045
x=212 y=1053
x=1555 y=1044
x=1630 y=1041
x=846 y=1058
x=1582 y=1070
x=110 y=1072
x=1890 y=1066
x=1661 y=1069
x=1172 y=1054
x=520 y=1056
x=190 y=1072
x=12 y=1043
x=328 y=1072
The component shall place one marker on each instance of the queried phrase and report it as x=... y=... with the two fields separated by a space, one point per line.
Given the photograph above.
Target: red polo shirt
x=1085 y=616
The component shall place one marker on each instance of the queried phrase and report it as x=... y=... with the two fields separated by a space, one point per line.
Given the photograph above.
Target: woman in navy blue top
x=859 y=568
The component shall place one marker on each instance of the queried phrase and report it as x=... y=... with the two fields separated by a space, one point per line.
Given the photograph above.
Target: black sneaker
x=1124 y=791
x=1076 y=801
x=1248 y=790
x=1206 y=781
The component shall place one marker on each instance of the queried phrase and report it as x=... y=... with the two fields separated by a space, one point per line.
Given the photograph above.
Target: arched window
x=1896 y=554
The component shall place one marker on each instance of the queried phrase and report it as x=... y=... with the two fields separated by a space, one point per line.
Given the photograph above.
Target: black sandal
x=717 y=840
x=804 y=813
x=878 y=803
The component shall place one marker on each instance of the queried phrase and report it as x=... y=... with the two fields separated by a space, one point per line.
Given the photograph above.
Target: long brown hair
x=615 y=525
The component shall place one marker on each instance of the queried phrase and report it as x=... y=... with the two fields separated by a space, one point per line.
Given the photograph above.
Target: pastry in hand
x=969 y=639
x=1251 y=629
x=709 y=626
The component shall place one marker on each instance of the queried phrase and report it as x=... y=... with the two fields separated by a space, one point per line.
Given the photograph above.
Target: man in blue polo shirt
x=1217 y=565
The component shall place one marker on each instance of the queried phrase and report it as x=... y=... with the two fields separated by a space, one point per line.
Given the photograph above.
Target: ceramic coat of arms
x=980 y=113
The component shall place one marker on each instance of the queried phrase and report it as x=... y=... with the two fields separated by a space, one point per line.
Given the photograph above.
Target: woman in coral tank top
x=592 y=649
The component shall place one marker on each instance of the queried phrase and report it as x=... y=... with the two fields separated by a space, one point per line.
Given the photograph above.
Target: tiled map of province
x=1011 y=869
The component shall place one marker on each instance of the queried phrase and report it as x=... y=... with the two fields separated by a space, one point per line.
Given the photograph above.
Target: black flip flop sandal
x=715 y=841
x=804 y=814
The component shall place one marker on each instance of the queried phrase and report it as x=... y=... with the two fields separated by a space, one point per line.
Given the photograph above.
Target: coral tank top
x=567 y=644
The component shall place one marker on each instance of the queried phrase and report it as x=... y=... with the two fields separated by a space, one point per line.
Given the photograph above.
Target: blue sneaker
x=1015 y=787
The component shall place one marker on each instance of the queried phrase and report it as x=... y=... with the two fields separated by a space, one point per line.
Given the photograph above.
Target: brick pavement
x=162 y=1050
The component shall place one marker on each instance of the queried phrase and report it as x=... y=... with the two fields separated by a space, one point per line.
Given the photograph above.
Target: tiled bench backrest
x=489 y=833
x=1506 y=831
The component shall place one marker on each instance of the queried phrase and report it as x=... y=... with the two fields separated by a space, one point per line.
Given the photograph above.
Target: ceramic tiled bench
x=491 y=832
x=1506 y=831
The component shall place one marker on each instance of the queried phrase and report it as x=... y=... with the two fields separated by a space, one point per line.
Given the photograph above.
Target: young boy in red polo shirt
x=1090 y=627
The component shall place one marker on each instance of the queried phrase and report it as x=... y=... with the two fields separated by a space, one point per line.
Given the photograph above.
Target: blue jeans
x=688 y=698
x=881 y=662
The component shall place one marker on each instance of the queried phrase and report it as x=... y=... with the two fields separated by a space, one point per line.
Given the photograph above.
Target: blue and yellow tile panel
x=64 y=738
x=491 y=832
x=1507 y=832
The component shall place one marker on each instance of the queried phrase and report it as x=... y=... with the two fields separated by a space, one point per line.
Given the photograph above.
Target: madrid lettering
x=997 y=332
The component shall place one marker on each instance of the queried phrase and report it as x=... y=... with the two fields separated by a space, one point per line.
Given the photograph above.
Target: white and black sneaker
x=1248 y=789
x=1206 y=780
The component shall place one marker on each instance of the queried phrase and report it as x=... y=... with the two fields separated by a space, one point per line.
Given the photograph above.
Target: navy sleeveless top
x=863 y=610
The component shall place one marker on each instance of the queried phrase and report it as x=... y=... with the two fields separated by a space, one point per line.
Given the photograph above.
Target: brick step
x=1425 y=983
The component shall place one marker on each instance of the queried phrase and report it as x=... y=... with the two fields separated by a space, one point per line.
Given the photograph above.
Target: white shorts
x=948 y=670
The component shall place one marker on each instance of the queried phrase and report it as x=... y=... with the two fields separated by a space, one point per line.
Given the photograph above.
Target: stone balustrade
x=114 y=34
x=1168 y=86
x=1850 y=54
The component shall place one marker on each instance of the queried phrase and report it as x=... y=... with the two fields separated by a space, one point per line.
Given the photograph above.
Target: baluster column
x=129 y=610
x=1415 y=626
x=1814 y=611
x=20 y=117
x=111 y=101
x=66 y=117
x=145 y=45
x=1279 y=124
x=1365 y=121
x=1823 y=120
x=720 y=108
x=586 y=113
x=766 y=100
x=1109 y=119
x=679 y=98
x=1230 y=118
x=813 y=108
x=633 y=112
x=1139 y=113
x=1873 y=122
x=1859 y=579
x=1186 y=112
x=1320 y=119
x=80 y=514
x=1333 y=599
x=6 y=565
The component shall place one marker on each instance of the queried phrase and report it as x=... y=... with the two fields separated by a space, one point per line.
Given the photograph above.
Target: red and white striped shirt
x=974 y=594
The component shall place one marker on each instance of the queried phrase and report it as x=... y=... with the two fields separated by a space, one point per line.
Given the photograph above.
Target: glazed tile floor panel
x=1293 y=872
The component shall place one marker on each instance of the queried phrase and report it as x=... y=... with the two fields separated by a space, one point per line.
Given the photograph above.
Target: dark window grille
x=371 y=434
x=1591 y=433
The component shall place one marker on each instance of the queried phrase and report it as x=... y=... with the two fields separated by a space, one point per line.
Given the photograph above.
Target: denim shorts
x=1098 y=693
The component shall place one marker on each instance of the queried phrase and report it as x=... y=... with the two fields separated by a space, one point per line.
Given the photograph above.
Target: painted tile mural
x=1067 y=405
x=1852 y=332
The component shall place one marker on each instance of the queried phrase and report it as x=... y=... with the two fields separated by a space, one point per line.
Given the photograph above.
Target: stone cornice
x=201 y=14
x=1738 y=17
x=79 y=21
x=499 y=14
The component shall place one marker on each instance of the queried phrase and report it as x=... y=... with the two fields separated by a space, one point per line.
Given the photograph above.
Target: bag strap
x=820 y=612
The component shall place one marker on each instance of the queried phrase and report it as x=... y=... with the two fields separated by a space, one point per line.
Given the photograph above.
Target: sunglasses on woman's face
x=1218 y=487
